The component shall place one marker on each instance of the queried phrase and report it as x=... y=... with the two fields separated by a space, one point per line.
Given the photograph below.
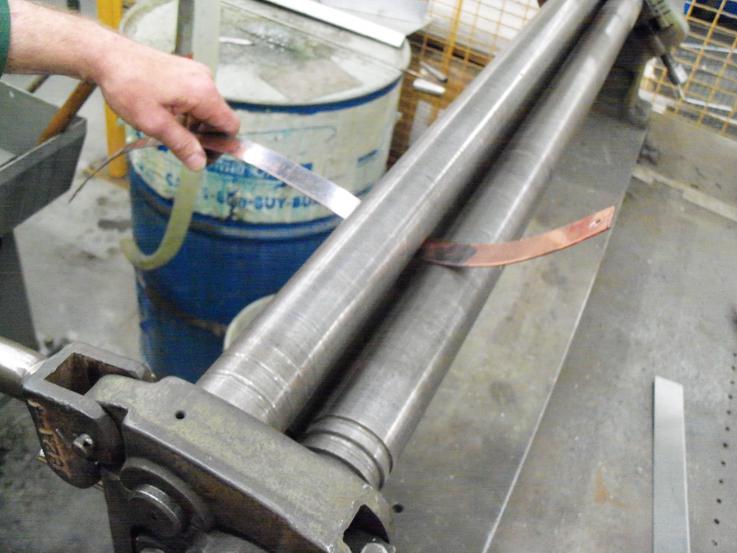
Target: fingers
x=209 y=107
x=164 y=126
x=174 y=86
x=214 y=112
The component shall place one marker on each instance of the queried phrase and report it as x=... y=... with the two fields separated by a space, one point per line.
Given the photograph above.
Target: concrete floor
x=81 y=288
x=662 y=304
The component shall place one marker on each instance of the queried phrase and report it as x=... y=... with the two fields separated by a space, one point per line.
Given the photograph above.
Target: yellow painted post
x=110 y=12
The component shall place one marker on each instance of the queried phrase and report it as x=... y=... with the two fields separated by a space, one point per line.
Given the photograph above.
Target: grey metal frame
x=30 y=179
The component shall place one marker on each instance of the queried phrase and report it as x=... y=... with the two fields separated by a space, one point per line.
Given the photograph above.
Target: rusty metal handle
x=66 y=112
x=16 y=363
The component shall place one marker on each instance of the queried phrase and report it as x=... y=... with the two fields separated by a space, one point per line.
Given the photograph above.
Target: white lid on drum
x=279 y=57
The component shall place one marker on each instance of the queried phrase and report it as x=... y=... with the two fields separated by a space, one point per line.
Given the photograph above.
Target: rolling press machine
x=285 y=443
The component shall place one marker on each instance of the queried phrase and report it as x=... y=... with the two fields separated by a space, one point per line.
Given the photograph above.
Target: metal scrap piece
x=670 y=497
x=453 y=254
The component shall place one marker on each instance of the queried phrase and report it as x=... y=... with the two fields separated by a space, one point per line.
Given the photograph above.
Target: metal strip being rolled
x=336 y=198
x=342 y=202
x=453 y=254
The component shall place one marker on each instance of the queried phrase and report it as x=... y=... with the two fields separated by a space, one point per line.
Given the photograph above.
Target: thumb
x=166 y=128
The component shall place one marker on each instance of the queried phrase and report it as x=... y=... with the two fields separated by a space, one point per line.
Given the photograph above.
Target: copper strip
x=453 y=254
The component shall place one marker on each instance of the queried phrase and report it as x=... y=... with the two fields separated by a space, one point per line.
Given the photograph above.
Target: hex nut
x=84 y=445
x=157 y=511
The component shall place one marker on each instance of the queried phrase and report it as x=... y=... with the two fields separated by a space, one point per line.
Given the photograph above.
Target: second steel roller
x=371 y=418
x=273 y=370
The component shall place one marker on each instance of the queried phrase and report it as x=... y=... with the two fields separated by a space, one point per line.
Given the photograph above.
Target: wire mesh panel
x=464 y=35
x=479 y=25
x=460 y=39
x=709 y=97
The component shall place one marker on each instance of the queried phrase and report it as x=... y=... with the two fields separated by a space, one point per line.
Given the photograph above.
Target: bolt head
x=84 y=445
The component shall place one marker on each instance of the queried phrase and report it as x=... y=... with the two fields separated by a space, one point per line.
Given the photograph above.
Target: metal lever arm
x=16 y=363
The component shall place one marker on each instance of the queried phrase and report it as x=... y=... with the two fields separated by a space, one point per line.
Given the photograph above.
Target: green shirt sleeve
x=4 y=34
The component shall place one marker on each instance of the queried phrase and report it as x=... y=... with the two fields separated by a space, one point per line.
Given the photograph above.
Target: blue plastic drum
x=186 y=305
x=322 y=96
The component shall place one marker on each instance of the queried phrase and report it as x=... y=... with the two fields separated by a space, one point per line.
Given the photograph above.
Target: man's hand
x=147 y=88
x=152 y=91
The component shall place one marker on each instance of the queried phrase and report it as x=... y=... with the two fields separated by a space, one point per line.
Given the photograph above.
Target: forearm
x=44 y=40
x=147 y=88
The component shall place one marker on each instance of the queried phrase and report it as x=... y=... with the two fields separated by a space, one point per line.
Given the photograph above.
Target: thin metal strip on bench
x=670 y=497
